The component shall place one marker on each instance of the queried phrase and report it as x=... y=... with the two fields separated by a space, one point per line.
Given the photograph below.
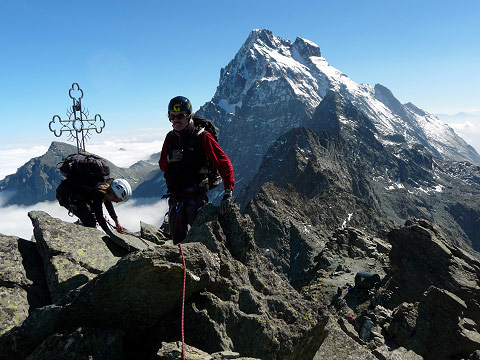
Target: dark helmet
x=180 y=103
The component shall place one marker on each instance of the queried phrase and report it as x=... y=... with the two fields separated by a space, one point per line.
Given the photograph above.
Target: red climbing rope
x=183 y=300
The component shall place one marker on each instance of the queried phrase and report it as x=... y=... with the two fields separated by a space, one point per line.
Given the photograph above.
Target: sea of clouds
x=121 y=148
x=15 y=220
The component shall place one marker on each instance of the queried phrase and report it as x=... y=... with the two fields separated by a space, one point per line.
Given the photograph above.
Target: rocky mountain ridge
x=126 y=304
x=336 y=174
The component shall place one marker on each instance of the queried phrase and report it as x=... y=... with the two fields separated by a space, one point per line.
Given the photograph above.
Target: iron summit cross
x=78 y=126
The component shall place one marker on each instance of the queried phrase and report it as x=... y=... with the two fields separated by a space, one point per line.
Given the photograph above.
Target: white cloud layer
x=15 y=220
x=12 y=157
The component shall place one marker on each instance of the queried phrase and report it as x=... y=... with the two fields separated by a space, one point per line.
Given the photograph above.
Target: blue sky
x=130 y=57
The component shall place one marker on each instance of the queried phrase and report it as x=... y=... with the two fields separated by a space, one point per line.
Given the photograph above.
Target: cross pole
x=78 y=126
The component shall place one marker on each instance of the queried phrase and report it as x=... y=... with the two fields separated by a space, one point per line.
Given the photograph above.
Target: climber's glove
x=227 y=201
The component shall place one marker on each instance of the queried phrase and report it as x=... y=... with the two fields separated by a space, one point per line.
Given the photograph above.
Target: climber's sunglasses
x=180 y=116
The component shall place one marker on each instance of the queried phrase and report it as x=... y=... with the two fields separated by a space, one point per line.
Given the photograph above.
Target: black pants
x=182 y=211
x=74 y=203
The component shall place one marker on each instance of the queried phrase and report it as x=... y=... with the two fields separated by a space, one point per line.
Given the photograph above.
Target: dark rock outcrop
x=421 y=258
x=22 y=281
x=234 y=302
x=81 y=344
x=239 y=302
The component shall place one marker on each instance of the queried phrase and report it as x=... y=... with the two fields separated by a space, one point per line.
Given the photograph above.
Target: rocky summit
x=74 y=292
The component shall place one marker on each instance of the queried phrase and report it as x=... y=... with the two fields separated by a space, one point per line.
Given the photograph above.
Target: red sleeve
x=163 y=156
x=220 y=160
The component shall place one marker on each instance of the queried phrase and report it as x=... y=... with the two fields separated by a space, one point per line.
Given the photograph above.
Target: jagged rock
x=22 y=281
x=404 y=320
x=350 y=179
x=289 y=228
x=81 y=344
x=130 y=296
x=152 y=233
x=385 y=353
x=173 y=351
x=237 y=304
x=249 y=309
x=72 y=254
x=335 y=344
x=421 y=257
x=435 y=327
x=129 y=241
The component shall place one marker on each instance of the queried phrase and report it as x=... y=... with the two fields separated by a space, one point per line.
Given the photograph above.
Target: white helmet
x=122 y=189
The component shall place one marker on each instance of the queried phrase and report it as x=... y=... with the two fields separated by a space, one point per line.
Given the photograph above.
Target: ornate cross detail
x=78 y=126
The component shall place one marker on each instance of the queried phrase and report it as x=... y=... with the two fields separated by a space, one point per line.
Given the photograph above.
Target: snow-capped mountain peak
x=273 y=85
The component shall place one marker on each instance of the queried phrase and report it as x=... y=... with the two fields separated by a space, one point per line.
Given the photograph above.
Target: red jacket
x=214 y=152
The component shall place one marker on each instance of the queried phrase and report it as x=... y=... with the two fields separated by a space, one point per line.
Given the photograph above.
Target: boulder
x=435 y=328
x=249 y=309
x=130 y=296
x=336 y=344
x=81 y=344
x=441 y=330
x=152 y=233
x=22 y=281
x=173 y=351
x=72 y=254
x=421 y=257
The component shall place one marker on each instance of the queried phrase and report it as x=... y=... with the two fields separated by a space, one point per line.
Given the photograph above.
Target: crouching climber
x=87 y=188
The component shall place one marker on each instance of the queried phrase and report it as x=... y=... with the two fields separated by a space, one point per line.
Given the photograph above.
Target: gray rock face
x=81 y=344
x=130 y=296
x=263 y=304
x=22 y=281
x=38 y=179
x=440 y=285
x=335 y=171
x=233 y=301
x=430 y=261
x=239 y=302
x=338 y=345
x=72 y=254
x=172 y=351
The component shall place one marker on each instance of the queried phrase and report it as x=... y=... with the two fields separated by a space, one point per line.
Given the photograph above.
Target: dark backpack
x=214 y=178
x=85 y=168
